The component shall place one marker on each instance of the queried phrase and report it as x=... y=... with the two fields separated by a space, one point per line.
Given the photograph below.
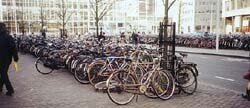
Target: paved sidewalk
x=60 y=90
x=221 y=52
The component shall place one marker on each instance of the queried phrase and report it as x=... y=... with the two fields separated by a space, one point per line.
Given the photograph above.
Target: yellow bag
x=16 y=66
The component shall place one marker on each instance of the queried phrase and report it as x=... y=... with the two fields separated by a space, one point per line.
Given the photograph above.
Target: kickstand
x=136 y=98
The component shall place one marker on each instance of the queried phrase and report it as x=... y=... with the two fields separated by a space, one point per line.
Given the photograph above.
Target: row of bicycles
x=226 y=41
x=123 y=72
x=236 y=41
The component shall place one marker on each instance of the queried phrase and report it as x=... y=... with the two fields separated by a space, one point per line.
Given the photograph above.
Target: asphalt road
x=224 y=72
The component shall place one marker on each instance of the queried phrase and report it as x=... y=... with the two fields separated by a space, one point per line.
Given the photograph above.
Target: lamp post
x=211 y=17
x=217 y=25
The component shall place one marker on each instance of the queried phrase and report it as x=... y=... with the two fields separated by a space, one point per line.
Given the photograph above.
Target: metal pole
x=211 y=17
x=179 y=16
x=165 y=35
x=217 y=26
x=165 y=26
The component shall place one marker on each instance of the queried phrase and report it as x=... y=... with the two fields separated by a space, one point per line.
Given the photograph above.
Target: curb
x=224 y=55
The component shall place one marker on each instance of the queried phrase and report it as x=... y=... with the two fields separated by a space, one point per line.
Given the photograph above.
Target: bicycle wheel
x=43 y=66
x=120 y=87
x=163 y=84
x=80 y=73
x=101 y=86
x=73 y=65
x=150 y=92
x=187 y=80
x=93 y=71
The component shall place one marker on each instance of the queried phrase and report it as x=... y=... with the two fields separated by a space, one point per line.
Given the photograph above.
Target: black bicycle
x=49 y=63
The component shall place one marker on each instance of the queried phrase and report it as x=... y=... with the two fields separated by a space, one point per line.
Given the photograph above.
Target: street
x=60 y=90
x=224 y=72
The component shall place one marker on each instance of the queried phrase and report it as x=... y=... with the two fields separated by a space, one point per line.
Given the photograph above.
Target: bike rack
x=167 y=46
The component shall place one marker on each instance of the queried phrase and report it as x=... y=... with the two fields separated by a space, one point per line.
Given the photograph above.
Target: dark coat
x=7 y=50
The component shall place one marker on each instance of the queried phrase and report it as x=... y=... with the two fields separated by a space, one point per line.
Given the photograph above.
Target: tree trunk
x=42 y=22
x=97 y=27
x=63 y=31
x=63 y=27
x=96 y=19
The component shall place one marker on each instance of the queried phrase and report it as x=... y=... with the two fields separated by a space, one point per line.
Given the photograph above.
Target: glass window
x=85 y=6
x=91 y=18
x=85 y=24
x=75 y=5
x=92 y=23
x=227 y=6
x=85 y=18
x=81 y=6
x=85 y=13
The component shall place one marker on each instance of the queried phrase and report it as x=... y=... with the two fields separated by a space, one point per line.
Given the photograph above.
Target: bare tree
x=9 y=18
x=170 y=5
x=64 y=15
x=43 y=16
x=100 y=8
x=21 y=22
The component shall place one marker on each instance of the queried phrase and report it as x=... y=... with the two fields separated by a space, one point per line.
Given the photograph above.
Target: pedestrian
x=135 y=38
x=123 y=38
x=44 y=34
x=247 y=77
x=101 y=36
x=18 y=42
x=7 y=52
x=79 y=36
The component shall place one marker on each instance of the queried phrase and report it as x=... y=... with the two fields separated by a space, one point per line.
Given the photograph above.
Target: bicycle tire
x=40 y=66
x=163 y=84
x=80 y=73
x=93 y=70
x=101 y=86
x=184 y=75
x=150 y=92
x=116 y=83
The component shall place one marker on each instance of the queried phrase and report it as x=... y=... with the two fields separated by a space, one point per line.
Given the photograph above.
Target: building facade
x=237 y=15
x=198 y=15
x=125 y=15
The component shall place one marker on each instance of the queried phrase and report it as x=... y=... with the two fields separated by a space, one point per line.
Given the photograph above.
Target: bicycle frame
x=109 y=65
x=141 y=88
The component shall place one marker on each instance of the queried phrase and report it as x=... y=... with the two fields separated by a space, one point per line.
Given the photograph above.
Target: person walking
x=101 y=36
x=8 y=52
x=123 y=38
x=135 y=39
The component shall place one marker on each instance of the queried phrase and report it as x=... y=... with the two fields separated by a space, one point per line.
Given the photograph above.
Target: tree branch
x=163 y=2
x=92 y=6
x=106 y=9
x=171 y=4
x=69 y=18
